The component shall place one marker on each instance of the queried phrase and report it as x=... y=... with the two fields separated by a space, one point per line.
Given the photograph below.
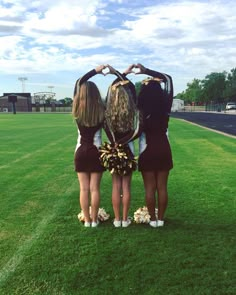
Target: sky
x=50 y=44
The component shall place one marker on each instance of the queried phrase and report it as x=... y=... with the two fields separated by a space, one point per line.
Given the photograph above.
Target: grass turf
x=45 y=250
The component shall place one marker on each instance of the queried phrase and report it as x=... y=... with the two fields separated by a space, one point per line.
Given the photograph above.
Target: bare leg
x=150 y=186
x=95 y=180
x=162 y=179
x=126 y=183
x=116 y=192
x=84 y=180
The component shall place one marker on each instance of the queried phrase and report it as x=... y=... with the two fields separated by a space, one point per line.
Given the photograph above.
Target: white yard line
x=22 y=251
x=9 y=268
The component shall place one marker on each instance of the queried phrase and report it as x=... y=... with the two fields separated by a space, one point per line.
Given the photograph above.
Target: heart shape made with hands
x=136 y=70
x=106 y=71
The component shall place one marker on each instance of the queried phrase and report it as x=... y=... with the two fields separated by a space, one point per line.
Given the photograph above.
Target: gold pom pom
x=117 y=159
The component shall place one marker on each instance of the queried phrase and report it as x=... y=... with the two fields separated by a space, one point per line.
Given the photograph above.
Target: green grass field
x=45 y=249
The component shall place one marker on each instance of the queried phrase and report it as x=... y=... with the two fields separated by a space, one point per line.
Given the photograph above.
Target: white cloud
x=63 y=39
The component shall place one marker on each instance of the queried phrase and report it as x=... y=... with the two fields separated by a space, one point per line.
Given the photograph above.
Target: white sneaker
x=117 y=223
x=153 y=223
x=95 y=224
x=160 y=223
x=87 y=224
x=126 y=223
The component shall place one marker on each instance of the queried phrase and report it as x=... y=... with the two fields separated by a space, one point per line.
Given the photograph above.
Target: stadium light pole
x=23 y=79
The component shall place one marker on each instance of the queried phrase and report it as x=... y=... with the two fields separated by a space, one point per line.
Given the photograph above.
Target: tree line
x=214 y=88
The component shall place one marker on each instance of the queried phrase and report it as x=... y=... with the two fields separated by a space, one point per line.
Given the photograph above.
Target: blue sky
x=53 y=43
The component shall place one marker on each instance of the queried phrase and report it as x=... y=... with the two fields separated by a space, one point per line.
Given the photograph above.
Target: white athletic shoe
x=126 y=223
x=95 y=224
x=160 y=223
x=153 y=223
x=87 y=224
x=117 y=223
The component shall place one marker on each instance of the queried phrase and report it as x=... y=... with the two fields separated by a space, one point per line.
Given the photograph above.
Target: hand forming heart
x=106 y=71
x=136 y=70
x=133 y=68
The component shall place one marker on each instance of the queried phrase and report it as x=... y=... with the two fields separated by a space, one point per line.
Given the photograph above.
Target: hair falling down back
x=88 y=108
x=121 y=109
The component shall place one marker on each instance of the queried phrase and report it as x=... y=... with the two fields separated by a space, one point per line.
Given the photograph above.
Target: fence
x=52 y=109
x=205 y=108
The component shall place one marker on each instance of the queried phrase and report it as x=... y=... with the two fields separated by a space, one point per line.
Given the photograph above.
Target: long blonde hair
x=121 y=109
x=88 y=108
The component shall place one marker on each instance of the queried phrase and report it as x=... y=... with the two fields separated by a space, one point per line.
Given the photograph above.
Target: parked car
x=230 y=106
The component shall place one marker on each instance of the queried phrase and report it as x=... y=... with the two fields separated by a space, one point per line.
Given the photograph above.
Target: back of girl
x=155 y=159
x=121 y=109
x=120 y=121
x=88 y=112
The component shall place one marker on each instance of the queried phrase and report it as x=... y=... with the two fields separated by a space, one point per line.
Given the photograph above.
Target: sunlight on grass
x=45 y=249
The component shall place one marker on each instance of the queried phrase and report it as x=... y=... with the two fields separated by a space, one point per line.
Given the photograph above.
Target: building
x=177 y=105
x=23 y=102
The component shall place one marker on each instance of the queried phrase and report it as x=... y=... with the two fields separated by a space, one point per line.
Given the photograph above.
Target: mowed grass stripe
x=23 y=134
x=33 y=183
x=24 y=249
x=204 y=172
x=26 y=245
x=192 y=254
x=34 y=152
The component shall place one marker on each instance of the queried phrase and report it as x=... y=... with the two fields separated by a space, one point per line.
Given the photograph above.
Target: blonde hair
x=88 y=108
x=121 y=109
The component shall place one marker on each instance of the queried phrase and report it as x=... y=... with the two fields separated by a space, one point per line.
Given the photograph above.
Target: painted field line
x=9 y=268
x=19 y=255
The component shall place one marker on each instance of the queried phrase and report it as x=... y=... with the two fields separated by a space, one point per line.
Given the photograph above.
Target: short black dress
x=86 y=158
x=154 y=147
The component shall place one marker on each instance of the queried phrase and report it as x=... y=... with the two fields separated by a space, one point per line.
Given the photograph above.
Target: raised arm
x=122 y=77
x=113 y=71
x=166 y=79
x=87 y=76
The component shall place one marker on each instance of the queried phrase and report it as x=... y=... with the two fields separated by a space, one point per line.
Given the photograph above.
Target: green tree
x=193 y=93
x=138 y=87
x=230 y=87
x=67 y=101
x=214 y=86
x=62 y=101
x=181 y=95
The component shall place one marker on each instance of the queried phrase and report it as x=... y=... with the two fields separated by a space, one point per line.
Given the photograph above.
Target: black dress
x=154 y=147
x=86 y=157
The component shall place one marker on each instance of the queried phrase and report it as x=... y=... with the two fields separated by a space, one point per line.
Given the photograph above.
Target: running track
x=218 y=121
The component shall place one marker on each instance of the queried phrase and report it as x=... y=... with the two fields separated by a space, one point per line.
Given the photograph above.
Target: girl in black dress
x=120 y=128
x=88 y=111
x=155 y=159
